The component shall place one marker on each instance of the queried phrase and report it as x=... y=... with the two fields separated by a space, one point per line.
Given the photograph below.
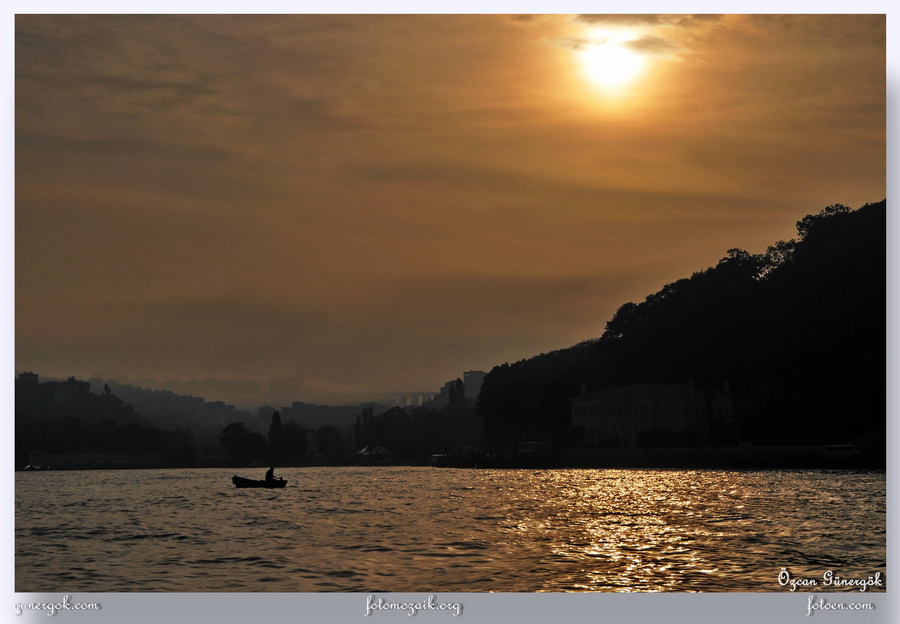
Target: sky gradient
x=334 y=208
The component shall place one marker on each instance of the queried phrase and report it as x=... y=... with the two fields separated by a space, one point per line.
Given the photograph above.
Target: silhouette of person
x=270 y=474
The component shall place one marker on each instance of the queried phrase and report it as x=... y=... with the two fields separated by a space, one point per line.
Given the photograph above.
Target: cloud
x=353 y=203
x=652 y=45
x=621 y=19
x=684 y=21
x=646 y=44
x=571 y=43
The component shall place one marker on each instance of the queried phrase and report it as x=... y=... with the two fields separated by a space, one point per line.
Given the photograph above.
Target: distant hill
x=65 y=417
x=798 y=332
x=206 y=419
x=168 y=410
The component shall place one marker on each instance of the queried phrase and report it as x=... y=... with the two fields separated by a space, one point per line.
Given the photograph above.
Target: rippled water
x=402 y=529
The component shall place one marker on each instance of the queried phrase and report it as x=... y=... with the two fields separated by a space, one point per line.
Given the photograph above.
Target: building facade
x=618 y=416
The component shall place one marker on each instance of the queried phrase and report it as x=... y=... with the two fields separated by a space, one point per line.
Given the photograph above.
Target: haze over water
x=412 y=529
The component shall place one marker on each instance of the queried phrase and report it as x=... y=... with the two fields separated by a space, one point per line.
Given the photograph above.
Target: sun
x=610 y=64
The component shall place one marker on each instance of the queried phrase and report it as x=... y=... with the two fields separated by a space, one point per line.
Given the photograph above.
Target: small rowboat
x=241 y=482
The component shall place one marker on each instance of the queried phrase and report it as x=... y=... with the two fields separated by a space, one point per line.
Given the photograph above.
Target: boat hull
x=241 y=482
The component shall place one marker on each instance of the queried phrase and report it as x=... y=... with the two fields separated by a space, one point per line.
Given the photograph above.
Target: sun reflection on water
x=667 y=530
x=420 y=529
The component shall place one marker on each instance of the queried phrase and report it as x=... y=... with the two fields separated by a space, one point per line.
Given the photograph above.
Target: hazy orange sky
x=337 y=207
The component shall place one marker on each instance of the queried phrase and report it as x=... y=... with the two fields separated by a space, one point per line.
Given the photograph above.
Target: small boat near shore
x=242 y=482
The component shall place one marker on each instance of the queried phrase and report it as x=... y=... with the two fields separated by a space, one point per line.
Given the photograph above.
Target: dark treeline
x=415 y=434
x=167 y=410
x=394 y=435
x=65 y=417
x=286 y=444
x=798 y=332
x=71 y=435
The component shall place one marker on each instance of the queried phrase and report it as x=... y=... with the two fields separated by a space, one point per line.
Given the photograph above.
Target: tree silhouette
x=798 y=331
x=294 y=443
x=276 y=441
x=242 y=444
x=329 y=441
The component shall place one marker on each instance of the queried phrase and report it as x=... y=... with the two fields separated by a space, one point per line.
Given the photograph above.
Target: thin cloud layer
x=358 y=205
x=623 y=19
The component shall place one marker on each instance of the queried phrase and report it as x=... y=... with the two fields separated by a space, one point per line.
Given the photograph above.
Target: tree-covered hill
x=798 y=332
x=65 y=417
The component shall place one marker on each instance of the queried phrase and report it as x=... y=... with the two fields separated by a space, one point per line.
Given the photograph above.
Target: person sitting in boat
x=270 y=474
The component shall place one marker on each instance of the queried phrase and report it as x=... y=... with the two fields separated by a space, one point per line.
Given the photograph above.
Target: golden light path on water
x=648 y=542
x=419 y=529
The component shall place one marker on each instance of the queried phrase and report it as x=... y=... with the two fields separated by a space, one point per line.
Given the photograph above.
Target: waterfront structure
x=75 y=461
x=619 y=416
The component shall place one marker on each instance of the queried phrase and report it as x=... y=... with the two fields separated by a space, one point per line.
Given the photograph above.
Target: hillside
x=798 y=332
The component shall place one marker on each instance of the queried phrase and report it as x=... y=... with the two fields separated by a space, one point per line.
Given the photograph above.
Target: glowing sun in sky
x=609 y=63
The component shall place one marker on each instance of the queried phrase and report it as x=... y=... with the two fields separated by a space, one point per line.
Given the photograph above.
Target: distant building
x=59 y=392
x=28 y=378
x=446 y=391
x=65 y=391
x=265 y=413
x=416 y=400
x=312 y=417
x=451 y=389
x=27 y=388
x=472 y=381
x=617 y=416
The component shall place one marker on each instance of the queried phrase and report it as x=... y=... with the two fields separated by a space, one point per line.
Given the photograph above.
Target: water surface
x=412 y=529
